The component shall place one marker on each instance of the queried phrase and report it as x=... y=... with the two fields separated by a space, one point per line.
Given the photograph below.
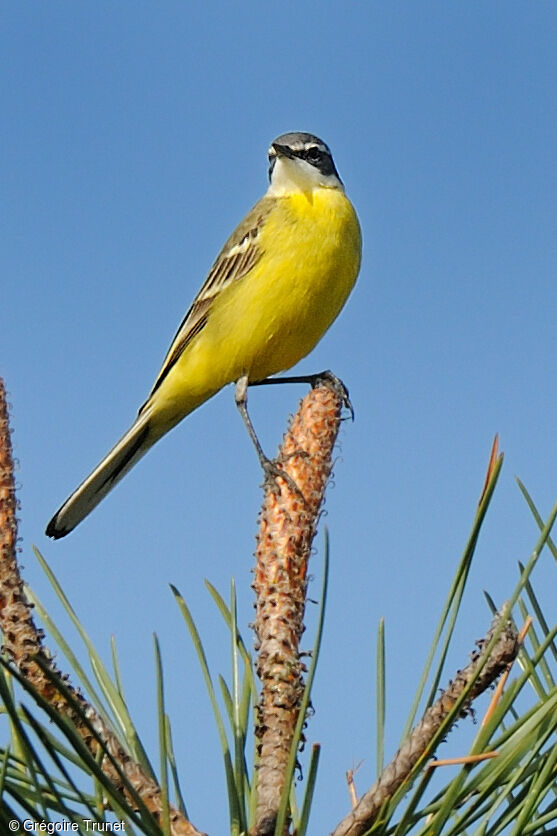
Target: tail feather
x=123 y=456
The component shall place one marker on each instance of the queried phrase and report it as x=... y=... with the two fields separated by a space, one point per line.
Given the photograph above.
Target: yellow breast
x=267 y=320
x=311 y=247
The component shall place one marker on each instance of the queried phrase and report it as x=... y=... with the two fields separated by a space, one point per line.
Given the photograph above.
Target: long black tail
x=131 y=447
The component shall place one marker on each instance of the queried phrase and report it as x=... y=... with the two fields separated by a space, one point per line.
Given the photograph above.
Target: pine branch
x=287 y=527
x=487 y=664
x=23 y=644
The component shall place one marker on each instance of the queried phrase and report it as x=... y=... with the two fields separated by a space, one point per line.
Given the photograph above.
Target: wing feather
x=237 y=258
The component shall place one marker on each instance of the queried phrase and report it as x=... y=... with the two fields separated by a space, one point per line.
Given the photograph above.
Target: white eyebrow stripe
x=298 y=147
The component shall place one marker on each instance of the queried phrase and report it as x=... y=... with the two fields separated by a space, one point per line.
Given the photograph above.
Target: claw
x=273 y=472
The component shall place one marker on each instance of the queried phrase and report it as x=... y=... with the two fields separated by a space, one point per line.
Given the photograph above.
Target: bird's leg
x=271 y=470
x=313 y=380
x=241 y=398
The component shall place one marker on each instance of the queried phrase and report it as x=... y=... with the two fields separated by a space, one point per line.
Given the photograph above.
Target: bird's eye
x=313 y=154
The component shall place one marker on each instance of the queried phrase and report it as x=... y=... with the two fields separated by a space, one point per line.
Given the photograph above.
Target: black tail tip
x=54 y=531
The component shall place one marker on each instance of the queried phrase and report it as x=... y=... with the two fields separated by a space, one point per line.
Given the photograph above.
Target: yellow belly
x=268 y=320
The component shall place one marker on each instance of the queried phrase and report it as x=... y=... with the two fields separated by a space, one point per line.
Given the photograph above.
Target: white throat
x=299 y=176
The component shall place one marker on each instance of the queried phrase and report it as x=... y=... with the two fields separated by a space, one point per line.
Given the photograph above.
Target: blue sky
x=134 y=139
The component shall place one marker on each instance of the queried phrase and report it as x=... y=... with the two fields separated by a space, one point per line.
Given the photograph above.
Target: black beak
x=284 y=151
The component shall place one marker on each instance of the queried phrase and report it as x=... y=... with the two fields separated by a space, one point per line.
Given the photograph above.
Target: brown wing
x=238 y=256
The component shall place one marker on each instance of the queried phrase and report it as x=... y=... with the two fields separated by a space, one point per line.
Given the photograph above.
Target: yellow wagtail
x=277 y=285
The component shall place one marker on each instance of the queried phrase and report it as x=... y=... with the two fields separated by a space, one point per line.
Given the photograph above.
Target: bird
x=276 y=286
